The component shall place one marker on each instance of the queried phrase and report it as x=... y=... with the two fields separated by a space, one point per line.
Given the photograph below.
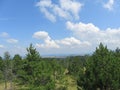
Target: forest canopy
x=99 y=71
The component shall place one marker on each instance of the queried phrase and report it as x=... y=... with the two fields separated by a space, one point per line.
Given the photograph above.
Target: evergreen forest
x=97 y=71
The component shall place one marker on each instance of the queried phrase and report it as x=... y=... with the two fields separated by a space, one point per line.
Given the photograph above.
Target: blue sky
x=58 y=26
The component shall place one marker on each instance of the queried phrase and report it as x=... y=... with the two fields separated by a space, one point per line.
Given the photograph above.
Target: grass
x=71 y=83
x=15 y=87
x=67 y=81
x=1 y=86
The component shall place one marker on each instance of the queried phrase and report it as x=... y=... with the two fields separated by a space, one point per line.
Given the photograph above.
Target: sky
x=58 y=27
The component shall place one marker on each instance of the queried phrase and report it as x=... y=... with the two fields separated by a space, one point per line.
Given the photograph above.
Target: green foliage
x=7 y=70
x=75 y=65
x=7 y=66
x=102 y=71
x=36 y=72
x=30 y=63
x=33 y=54
x=1 y=63
x=1 y=68
x=17 y=63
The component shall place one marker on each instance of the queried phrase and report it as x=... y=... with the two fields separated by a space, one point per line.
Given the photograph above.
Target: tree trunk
x=5 y=76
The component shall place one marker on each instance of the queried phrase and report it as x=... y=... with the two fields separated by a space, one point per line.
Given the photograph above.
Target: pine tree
x=102 y=71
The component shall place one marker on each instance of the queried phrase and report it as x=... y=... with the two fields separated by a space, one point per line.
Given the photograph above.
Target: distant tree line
x=99 y=71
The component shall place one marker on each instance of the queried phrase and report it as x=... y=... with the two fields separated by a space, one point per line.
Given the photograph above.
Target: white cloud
x=109 y=5
x=72 y=42
x=48 y=15
x=60 y=12
x=67 y=9
x=41 y=35
x=44 y=3
x=43 y=6
x=1 y=46
x=12 y=41
x=69 y=41
x=91 y=33
x=72 y=6
x=83 y=31
x=48 y=42
x=7 y=38
x=4 y=34
x=84 y=39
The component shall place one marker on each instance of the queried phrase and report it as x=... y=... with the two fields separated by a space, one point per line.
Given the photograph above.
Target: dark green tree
x=17 y=63
x=37 y=73
x=32 y=60
x=1 y=63
x=101 y=71
x=8 y=74
x=1 y=68
x=76 y=63
x=17 y=68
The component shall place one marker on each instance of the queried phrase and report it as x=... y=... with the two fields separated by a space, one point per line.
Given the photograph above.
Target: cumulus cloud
x=4 y=34
x=12 y=41
x=91 y=33
x=109 y=5
x=48 y=42
x=67 y=9
x=85 y=38
x=72 y=42
x=41 y=35
x=69 y=41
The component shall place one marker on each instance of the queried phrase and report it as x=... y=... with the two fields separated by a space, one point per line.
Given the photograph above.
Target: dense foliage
x=102 y=70
x=99 y=71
